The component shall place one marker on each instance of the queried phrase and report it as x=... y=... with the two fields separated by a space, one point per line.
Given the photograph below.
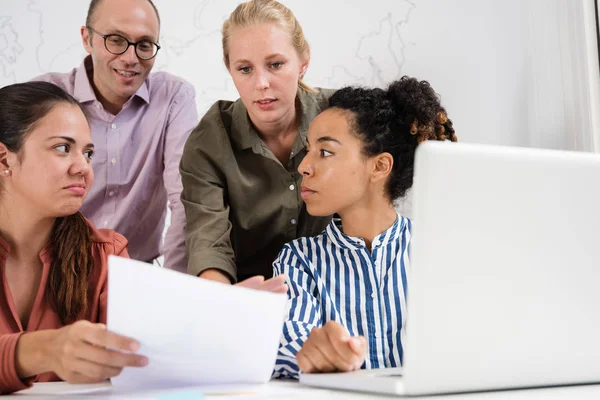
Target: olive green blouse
x=242 y=205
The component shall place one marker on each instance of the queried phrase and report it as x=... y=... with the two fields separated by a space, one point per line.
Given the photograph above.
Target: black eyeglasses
x=117 y=44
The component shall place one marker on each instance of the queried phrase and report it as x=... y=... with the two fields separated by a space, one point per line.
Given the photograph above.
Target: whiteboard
x=505 y=70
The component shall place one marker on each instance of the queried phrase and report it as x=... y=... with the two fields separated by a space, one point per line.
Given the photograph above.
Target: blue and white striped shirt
x=333 y=276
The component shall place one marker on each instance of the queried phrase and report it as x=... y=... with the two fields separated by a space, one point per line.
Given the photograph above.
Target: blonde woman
x=241 y=187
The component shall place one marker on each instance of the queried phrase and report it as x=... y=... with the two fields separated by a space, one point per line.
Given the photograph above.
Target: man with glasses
x=140 y=122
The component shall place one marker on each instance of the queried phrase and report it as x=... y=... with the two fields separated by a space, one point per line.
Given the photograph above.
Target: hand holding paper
x=274 y=285
x=193 y=331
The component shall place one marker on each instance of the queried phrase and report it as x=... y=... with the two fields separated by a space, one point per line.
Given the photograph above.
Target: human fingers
x=316 y=353
x=275 y=285
x=345 y=359
x=98 y=335
x=84 y=371
x=111 y=358
x=254 y=282
x=358 y=344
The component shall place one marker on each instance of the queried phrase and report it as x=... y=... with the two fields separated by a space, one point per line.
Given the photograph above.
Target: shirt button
x=292 y=187
x=377 y=334
x=111 y=194
x=293 y=221
x=106 y=223
x=114 y=126
x=373 y=295
x=98 y=106
x=113 y=161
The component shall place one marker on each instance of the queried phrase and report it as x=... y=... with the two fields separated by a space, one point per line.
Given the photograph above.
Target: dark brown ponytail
x=72 y=265
x=22 y=106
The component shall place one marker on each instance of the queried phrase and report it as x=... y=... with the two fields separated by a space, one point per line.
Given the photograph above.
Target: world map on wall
x=349 y=44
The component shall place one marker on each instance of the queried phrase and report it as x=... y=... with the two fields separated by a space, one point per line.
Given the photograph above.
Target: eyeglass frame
x=134 y=44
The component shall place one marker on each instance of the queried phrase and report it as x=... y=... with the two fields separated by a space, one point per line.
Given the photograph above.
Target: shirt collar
x=45 y=253
x=83 y=90
x=310 y=110
x=143 y=92
x=340 y=239
x=4 y=249
x=243 y=132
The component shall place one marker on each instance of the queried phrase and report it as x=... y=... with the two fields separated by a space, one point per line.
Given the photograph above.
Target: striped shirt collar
x=340 y=239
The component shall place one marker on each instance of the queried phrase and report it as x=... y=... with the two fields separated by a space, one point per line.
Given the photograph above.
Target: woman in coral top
x=53 y=262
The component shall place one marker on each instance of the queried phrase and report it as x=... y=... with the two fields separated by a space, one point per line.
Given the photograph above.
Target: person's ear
x=5 y=162
x=304 y=66
x=382 y=167
x=86 y=39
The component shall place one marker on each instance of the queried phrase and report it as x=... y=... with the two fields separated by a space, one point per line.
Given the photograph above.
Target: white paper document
x=277 y=389
x=193 y=331
x=50 y=389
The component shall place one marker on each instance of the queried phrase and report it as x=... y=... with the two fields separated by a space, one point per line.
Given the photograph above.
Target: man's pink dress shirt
x=136 y=161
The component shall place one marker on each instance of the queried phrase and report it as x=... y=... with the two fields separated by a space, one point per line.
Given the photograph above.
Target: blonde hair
x=256 y=12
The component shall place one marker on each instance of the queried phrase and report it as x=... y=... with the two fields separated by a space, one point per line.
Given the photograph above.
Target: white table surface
x=290 y=390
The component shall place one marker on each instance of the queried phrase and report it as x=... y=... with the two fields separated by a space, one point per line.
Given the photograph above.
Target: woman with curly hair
x=347 y=286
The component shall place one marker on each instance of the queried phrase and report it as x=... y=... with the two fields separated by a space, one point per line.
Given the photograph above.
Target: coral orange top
x=104 y=243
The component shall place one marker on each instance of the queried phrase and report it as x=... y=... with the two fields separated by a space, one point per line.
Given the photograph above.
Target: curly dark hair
x=395 y=121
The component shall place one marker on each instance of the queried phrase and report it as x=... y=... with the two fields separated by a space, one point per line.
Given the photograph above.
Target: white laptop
x=504 y=290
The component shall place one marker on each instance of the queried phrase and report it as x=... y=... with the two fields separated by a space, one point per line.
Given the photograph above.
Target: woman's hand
x=84 y=352
x=274 y=285
x=331 y=349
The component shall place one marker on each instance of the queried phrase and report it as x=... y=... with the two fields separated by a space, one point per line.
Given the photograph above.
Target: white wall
x=511 y=72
